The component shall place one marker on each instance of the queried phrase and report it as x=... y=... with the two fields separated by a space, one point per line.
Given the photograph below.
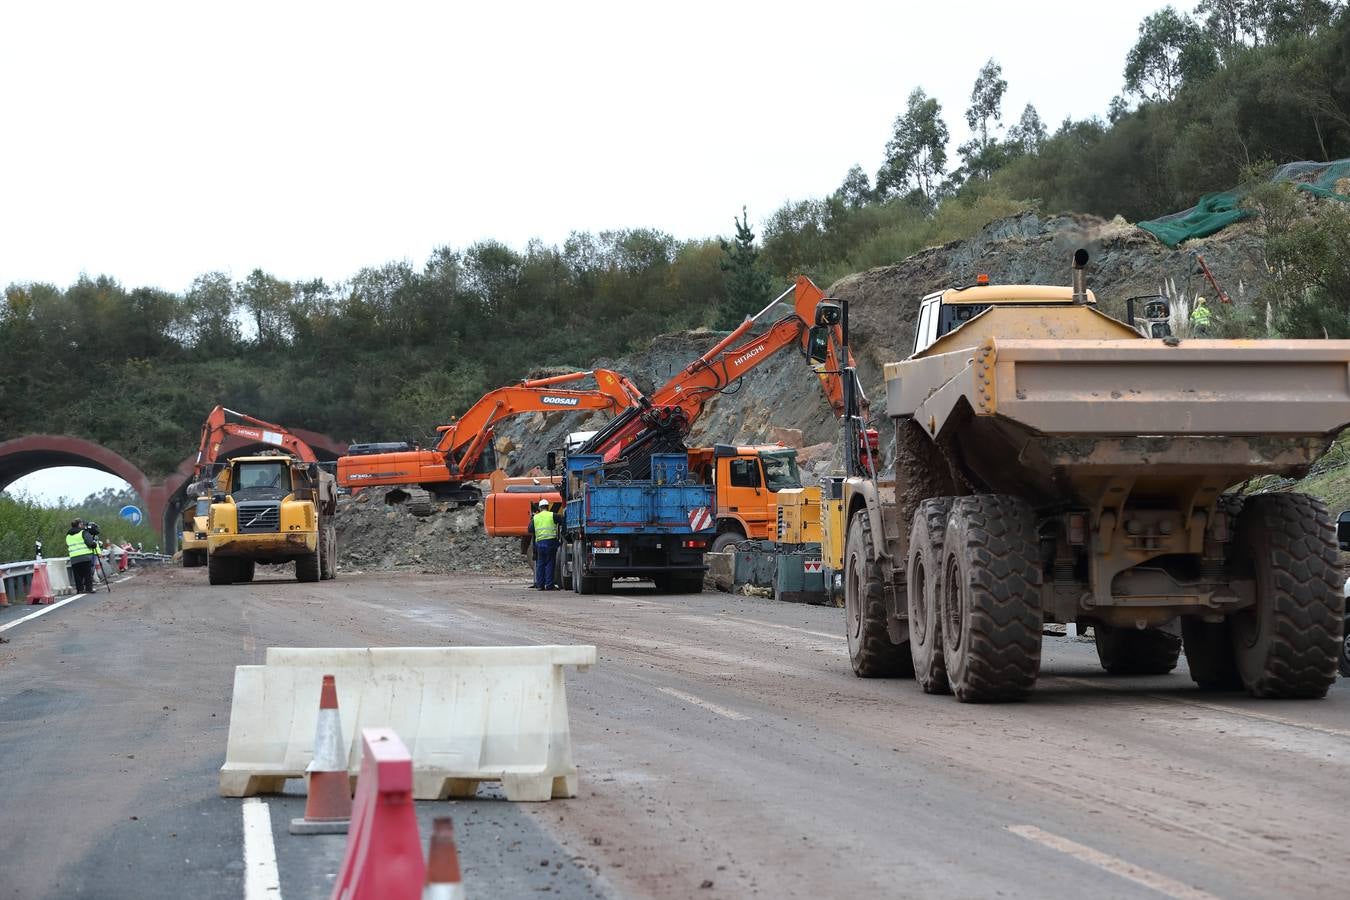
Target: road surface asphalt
x=726 y=750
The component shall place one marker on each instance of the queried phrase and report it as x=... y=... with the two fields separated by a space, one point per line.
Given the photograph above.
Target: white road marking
x=700 y=702
x=1215 y=707
x=1260 y=716
x=819 y=634
x=41 y=612
x=1161 y=883
x=261 y=881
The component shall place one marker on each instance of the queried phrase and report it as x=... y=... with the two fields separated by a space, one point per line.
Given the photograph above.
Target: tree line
x=1208 y=97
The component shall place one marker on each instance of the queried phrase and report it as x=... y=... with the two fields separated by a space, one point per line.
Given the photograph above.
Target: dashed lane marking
x=261 y=881
x=819 y=634
x=1115 y=865
x=1215 y=707
x=704 y=704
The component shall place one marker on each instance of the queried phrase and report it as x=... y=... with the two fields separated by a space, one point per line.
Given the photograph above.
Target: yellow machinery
x=194 y=532
x=272 y=509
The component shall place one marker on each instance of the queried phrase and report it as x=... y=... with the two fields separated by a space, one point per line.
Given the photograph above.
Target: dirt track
x=722 y=739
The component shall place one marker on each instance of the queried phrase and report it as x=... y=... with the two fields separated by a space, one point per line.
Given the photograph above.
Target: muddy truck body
x=1055 y=466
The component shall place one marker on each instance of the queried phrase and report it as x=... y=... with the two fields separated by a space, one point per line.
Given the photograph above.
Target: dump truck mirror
x=551 y=461
x=818 y=341
x=829 y=313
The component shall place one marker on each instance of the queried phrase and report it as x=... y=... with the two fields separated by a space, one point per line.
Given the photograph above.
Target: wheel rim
x=918 y=598
x=853 y=598
x=952 y=613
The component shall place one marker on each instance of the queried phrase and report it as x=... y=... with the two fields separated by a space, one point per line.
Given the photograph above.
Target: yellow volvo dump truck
x=1055 y=465
x=272 y=509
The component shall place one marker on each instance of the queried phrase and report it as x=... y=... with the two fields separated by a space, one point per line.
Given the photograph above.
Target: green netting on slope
x=1330 y=180
x=1217 y=211
x=1214 y=212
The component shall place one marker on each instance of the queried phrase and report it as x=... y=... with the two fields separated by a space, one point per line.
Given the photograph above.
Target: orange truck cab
x=748 y=480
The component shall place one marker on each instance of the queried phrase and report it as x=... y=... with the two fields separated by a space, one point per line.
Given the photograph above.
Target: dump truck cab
x=272 y=508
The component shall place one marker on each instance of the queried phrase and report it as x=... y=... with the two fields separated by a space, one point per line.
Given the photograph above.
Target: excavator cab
x=829 y=313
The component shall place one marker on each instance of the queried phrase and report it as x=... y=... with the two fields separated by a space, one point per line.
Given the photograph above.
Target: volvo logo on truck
x=560 y=401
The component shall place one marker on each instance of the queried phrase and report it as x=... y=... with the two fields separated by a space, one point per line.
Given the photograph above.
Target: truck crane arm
x=814 y=327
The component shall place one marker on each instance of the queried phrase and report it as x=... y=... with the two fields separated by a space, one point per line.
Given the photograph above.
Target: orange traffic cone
x=328 y=806
x=443 y=881
x=40 y=591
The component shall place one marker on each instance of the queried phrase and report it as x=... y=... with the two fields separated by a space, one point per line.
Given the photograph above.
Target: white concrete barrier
x=58 y=573
x=468 y=714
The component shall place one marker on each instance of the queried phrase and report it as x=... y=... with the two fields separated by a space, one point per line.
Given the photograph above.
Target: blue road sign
x=131 y=513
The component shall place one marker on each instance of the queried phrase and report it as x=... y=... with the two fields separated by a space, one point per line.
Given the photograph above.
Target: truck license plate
x=604 y=550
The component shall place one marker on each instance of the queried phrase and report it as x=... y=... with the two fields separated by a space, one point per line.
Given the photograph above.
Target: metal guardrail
x=17 y=577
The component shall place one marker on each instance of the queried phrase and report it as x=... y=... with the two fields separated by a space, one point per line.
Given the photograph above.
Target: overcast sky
x=157 y=141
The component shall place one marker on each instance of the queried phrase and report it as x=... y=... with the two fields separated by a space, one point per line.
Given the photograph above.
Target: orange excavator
x=222 y=423
x=815 y=328
x=465 y=453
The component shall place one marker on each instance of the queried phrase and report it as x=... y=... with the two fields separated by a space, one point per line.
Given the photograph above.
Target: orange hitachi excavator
x=222 y=423
x=465 y=453
x=814 y=327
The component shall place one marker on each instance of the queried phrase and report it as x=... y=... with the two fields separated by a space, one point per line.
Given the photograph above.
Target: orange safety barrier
x=384 y=850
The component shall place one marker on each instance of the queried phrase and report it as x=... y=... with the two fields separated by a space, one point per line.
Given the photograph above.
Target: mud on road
x=726 y=750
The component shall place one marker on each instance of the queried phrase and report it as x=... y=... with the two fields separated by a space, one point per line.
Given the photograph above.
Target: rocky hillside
x=781 y=401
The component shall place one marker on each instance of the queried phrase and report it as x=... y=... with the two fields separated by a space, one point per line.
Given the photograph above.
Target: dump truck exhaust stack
x=1080 y=261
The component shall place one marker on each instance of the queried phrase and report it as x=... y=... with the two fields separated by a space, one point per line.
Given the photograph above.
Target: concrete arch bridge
x=163 y=498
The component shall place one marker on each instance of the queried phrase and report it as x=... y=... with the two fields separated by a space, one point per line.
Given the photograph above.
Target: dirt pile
x=374 y=535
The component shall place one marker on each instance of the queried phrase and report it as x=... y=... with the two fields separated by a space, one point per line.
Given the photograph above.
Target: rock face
x=782 y=399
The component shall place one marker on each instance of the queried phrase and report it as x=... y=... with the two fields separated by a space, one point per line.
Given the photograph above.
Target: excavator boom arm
x=462 y=442
x=218 y=426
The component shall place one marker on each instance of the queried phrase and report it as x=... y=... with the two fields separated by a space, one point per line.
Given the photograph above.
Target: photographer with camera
x=81 y=545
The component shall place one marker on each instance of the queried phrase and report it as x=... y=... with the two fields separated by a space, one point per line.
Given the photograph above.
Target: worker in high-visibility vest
x=544 y=530
x=81 y=547
x=1201 y=317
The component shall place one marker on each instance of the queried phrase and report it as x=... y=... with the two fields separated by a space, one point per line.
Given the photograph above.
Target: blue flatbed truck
x=656 y=528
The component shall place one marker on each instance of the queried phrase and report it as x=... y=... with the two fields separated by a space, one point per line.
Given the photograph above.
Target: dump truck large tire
x=991 y=598
x=1129 y=651
x=328 y=557
x=1209 y=655
x=869 y=645
x=922 y=580
x=1287 y=645
x=220 y=570
x=308 y=567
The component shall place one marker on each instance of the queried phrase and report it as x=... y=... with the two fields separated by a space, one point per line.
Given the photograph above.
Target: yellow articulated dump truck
x=194 y=532
x=1056 y=466
x=272 y=509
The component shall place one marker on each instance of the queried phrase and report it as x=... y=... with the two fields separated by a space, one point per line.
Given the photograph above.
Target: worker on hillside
x=80 y=547
x=1201 y=317
x=544 y=530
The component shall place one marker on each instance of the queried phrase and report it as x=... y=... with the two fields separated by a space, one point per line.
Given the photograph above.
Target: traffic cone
x=40 y=591
x=328 y=805
x=443 y=881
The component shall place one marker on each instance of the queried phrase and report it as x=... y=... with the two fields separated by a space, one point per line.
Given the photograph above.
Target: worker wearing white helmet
x=544 y=528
